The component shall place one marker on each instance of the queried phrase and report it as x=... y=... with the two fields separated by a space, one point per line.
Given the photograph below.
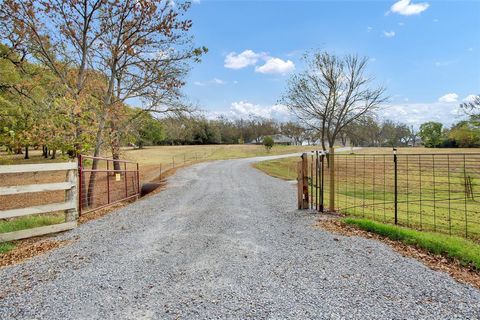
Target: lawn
x=436 y=193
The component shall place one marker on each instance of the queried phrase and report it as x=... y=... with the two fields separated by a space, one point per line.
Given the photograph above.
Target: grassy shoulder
x=6 y=247
x=465 y=251
x=27 y=222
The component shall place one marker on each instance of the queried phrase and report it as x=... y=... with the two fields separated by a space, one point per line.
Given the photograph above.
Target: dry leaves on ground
x=26 y=249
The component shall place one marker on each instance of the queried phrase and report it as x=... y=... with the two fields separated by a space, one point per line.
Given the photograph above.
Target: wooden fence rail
x=69 y=206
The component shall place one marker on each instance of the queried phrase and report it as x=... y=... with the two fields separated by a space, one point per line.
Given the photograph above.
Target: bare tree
x=294 y=131
x=472 y=108
x=330 y=94
x=413 y=136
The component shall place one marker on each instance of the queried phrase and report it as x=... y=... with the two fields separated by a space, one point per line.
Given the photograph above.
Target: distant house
x=278 y=139
x=282 y=139
x=418 y=142
x=338 y=142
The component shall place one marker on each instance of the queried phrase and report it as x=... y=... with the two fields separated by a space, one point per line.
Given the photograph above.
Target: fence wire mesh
x=433 y=192
x=111 y=182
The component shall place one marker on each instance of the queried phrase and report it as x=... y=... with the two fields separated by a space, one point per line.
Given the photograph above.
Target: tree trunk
x=54 y=154
x=26 y=153
x=96 y=153
x=115 y=145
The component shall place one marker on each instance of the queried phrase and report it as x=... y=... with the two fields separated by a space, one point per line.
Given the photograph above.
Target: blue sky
x=426 y=53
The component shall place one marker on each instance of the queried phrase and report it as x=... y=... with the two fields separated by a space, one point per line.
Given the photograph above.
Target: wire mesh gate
x=105 y=181
x=435 y=192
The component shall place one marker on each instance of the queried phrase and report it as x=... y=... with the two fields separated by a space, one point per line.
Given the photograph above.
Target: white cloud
x=276 y=65
x=242 y=60
x=389 y=34
x=448 y=98
x=196 y=1
x=243 y=109
x=469 y=98
x=213 y=81
x=248 y=57
x=401 y=24
x=218 y=81
x=369 y=29
x=417 y=113
x=445 y=63
x=435 y=20
x=407 y=8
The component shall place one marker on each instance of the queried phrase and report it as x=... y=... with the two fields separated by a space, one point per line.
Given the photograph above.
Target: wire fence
x=180 y=160
x=433 y=192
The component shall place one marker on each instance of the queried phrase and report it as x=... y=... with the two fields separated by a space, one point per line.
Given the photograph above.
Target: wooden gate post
x=302 y=169
x=71 y=196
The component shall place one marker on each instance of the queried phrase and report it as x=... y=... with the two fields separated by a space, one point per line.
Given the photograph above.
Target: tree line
x=463 y=134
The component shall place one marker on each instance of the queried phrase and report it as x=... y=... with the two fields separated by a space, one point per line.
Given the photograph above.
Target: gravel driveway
x=225 y=241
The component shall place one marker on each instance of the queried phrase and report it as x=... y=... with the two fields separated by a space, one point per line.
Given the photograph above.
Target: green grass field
x=431 y=189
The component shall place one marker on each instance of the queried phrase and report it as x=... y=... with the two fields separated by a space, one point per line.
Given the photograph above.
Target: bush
x=268 y=143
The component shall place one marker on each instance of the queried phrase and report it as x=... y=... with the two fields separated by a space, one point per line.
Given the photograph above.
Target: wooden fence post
x=299 y=185
x=305 y=180
x=71 y=196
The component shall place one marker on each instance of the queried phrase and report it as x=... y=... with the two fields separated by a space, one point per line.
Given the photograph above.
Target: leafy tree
x=465 y=134
x=268 y=143
x=431 y=134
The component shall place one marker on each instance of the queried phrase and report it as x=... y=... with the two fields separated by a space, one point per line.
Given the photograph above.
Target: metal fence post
x=395 y=164
x=322 y=185
x=311 y=181
x=331 y=163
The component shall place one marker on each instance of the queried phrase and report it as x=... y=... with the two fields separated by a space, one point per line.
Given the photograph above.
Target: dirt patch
x=439 y=263
x=26 y=249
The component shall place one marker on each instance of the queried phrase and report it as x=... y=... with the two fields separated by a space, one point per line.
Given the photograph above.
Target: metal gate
x=106 y=181
x=311 y=180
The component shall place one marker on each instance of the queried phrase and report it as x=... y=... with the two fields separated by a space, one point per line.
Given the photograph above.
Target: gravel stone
x=224 y=241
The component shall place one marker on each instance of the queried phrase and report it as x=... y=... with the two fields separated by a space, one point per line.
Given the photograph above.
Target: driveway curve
x=224 y=241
